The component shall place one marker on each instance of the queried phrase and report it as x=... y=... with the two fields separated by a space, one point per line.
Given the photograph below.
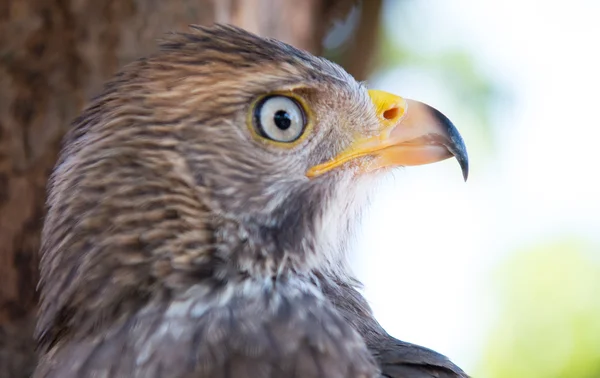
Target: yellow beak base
x=412 y=133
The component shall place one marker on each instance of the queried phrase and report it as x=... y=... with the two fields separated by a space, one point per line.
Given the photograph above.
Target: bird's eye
x=279 y=118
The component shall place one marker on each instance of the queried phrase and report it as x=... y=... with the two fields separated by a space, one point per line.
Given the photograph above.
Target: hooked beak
x=412 y=133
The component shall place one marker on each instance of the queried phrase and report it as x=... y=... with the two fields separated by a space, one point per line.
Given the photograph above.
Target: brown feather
x=176 y=244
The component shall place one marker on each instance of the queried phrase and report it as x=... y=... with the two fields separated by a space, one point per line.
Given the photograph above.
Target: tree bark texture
x=54 y=56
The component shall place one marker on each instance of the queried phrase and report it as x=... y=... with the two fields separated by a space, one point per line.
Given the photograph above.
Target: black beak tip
x=459 y=150
x=464 y=165
x=456 y=144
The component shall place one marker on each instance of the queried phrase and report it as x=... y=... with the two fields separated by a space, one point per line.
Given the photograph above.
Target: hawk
x=199 y=215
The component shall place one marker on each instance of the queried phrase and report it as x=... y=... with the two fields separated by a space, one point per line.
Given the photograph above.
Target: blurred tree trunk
x=55 y=55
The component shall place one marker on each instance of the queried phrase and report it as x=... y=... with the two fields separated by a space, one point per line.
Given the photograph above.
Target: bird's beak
x=412 y=133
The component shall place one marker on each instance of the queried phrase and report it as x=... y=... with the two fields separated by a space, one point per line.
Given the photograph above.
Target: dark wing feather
x=398 y=359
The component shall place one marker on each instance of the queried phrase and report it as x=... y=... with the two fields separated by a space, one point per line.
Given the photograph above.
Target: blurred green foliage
x=455 y=69
x=548 y=324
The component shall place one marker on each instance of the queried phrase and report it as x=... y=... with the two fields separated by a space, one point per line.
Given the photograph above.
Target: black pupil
x=282 y=120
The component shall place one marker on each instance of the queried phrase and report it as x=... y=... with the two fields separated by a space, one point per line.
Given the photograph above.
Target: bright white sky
x=431 y=240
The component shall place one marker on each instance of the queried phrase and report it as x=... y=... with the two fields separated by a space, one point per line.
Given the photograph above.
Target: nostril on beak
x=391 y=114
x=389 y=108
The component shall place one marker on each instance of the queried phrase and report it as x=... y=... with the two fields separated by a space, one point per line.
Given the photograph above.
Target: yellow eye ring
x=282 y=119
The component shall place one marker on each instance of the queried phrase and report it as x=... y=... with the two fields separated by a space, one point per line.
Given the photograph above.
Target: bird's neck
x=127 y=230
x=109 y=253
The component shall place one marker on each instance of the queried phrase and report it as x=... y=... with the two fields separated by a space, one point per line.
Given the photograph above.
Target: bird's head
x=286 y=144
x=226 y=151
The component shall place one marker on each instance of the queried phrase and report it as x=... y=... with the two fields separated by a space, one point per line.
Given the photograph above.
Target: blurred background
x=501 y=274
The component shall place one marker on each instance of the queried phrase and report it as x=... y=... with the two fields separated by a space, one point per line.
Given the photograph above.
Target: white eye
x=279 y=118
